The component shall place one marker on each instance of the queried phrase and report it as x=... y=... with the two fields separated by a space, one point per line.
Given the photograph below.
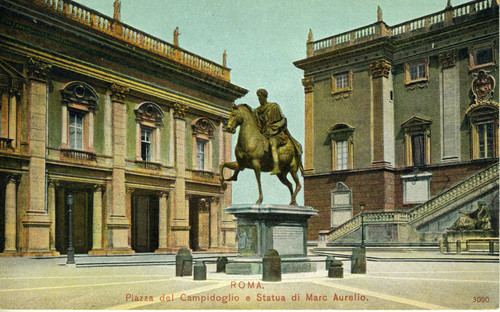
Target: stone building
x=402 y=121
x=130 y=125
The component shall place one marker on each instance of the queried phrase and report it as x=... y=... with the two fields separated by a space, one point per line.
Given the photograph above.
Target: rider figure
x=272 y=124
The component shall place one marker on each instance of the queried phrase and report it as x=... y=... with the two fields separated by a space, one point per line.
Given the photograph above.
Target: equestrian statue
x=264 y=145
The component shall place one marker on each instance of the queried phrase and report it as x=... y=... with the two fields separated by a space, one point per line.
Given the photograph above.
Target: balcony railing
x=5 y=143
x=69 y=153
x=133 y=36
x=380 y=29
x=148 y=165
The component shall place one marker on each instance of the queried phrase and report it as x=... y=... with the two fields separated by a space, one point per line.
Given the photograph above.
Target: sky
x=262 y=39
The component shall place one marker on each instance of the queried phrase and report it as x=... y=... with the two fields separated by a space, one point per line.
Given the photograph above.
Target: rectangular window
x=342 y=155
x=341 y=81
x=146 y=135
x=418 y=149
x=417 y=71
x=483 y=56
x=485 y=139
x=200 y=154
x=75 y=131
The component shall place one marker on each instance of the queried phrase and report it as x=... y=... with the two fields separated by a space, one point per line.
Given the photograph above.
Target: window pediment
x=79 y=93
x=338 y=131
x=203 y=126
x=149 y=112
x=416 y=124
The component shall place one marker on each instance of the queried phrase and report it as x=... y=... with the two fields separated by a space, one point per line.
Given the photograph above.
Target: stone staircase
x=442 y=203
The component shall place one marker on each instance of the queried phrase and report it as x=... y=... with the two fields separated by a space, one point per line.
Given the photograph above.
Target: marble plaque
x=288 y=240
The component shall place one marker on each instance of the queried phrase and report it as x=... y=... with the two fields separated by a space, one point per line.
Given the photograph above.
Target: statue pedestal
x=263 y=227
x=451 y=237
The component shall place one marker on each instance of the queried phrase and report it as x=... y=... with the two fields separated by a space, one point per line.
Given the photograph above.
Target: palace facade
x=131 y=126
x=401 y=123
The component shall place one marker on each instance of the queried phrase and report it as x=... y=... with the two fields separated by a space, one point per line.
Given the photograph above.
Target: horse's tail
x=301 y=167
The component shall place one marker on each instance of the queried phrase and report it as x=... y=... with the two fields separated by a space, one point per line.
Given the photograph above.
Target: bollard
x=221 y=264
x=459 y=247
x=200 y=271
x=271 y=266
x=358 y=261
x=329 y=260
x=336 y=269
x=492 y=247
x=183 y=263
x=441 y=246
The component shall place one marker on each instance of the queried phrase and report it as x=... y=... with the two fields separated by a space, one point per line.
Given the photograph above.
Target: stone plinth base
x=456 y=241
x=254 y=266
x=264 y=227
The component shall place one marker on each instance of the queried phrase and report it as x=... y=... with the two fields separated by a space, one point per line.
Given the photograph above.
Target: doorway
x=82 y=221
x=199 y=221
x=145 y=223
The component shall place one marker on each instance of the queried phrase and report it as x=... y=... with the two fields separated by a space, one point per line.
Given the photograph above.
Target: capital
x=180 y=111
x=38 y=70
x=118 y=93
x=308 y=84
x=380 y=69
x=99 y=188
x=447 y=59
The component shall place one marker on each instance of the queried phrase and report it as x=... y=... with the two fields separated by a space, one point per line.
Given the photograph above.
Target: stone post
x=336 y=269
x=200 y=271
x=221 y=264
x=183 y=263
x=358 y=261
x=271 y=266
x=329 y=260
x=459 y=247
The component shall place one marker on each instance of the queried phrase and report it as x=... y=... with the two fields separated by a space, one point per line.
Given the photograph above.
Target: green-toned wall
x=353 y=111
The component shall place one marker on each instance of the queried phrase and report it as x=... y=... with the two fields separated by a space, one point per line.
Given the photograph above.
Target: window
x=342 y=155
x=417 y=71
x=484 y=136
x=200 y=153
x=203 y=132
x=341 y=205
x=79 y=101
x=342 y=82
x=341 y=137
x=146 y=140
x=482 y=56
x=75 y=131
x=149 y=121
x=417 y=141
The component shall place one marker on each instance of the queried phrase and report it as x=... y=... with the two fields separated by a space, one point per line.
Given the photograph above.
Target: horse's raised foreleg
x=231 y=165
x=284 y=180
x=295 y=177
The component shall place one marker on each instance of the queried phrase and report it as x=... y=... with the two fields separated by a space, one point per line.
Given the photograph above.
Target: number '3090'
x=480 y=299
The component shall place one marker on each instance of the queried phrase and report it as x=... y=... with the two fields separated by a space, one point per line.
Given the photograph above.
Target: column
x=91 y=131
x=36 y=221
x=13 y=116
x=214 y=222
x=64 y=126
x=118 y=221
x=10 y=215
x=97 y=218
x=138 y=155
x=162 y=222
x=51 y=206
x=308 y=84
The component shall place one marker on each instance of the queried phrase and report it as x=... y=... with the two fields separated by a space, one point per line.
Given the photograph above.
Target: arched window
x=79 y=102
x=203 y=132
x=341 y=138
x=149 y=120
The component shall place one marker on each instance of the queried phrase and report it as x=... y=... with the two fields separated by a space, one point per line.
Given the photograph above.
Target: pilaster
x=97 y=216
x=163 y=223
x=36 y=221
x=308 y=84
x=119 y=219
x=11 y=215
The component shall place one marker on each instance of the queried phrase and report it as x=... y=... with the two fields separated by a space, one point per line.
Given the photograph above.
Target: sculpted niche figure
x=264 y=144
x=479 y=219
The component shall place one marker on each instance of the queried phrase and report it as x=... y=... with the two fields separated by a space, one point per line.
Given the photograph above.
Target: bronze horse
x=253 y=151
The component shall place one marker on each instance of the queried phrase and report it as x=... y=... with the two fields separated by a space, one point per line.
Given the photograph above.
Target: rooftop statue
x=264 y=145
